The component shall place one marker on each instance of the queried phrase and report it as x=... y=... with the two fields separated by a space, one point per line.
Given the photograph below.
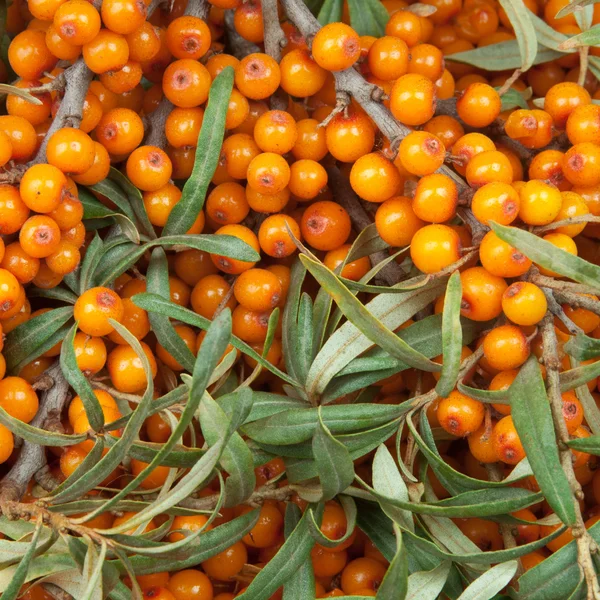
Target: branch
x=275 y=39
x=578 y=301
x=561 y=286
x=32 y=456
x=155 y=124
x=197 y=8
x=266 y=492
x=585 y=543
x=392 y=273
x=578 y=220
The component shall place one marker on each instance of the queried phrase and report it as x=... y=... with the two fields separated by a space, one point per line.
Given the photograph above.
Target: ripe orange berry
x=350 y=137
x=188 y=37
x=274 y=237
x=435 y=247
x=388 y=58
x=21 y=134
x=573 y=205
x=227 y=204
x=397 y=222
x=120 y=131
x=481 y=445
x=336 y=47
x=226 y=564
x=125 y=368
x=257 y=76
x=524 y=303
x=562 y=99
x=506 y=347
x=149 y=168
x=76 y=408
x=190 y=584
x=248 y=21
x=20 y=107
x=257 y=289
x=95 y=307
x=29 y=56
x=435 y=199
x=421 y=153
x=362 y=574
x=19 y=263
x=77 y=22
x=583 y=318
x=406 y=26
x=301 y=76
x=70 y=150
x=39 y=236
x=268 y=173
x=413 y=99
x=353 y=270
x=562 y=241
x=275 y=131
x=497 y=202
x=7 y=443
x=65 y=259
x=375 y=178
x=237 y=153
x=478 y=105
x=123 y=16
x=506 y=441
x=500 y=258
x=18 y=398
x=123 y=80
x=209 y=293
x=182 y=126
x=540 y=203
x=307 y=179
x=231 y=265
x=107 y=51
x=325 y=225
x=487 y=167
x=460 y=415
x=583 y=124
x=42 y=188
x=311 y=141
x=186 y=83
x=581 y=164
x=482 y=294
x=143 y=43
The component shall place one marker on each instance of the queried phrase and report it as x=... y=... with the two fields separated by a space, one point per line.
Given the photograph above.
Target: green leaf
x=513 y=98
x=589 y=444
x=501 y=57
x=578 y=376
x=519 y=17
x=57 y=293
x=532 y=416
x=78 y=381
x=316 y=515
x=304 y=338
x=294 y=364
x=368 y=17
x=387 y=481
x=348 y=342
x=12 y=90
x=428 y=584
x=91 y=458
x=330 y=12
x=210 y=140
x=547 y=255
x=487 y=396
x=157 y=304
x=573 y=6
x=490 y=583
x=157 y=282
x=451 y=337
x=294 y=552
x=547 y=36
x=591 y=37
x=114 y=192
x=92 y=571
x=27 y=338
x=582 y=347
x=301 y=584
x=366 y=322
x=92 y=207
x=336 y=470
x=395 y=582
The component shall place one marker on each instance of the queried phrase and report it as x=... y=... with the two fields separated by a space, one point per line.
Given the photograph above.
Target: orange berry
x=413 y=99
x=478 y=105
x=120 y=131
x=325 y=225
x=581 y=164
x=107 y=51
x=506 y=347
x=406 y=26
x=275 y=131
x=274 y=237
x=487 y=167
x=18 y=398
x=21 y=134
x=500 y=258
x=435 y=247
x=29 y=56
x=524 y=303
x=186 y=83
x=573 y=205
x=375 y=178
x=353 y=270
x=268 y=173
x=435 y=199
x=397 y=222
x=460 y=415
x=257 y=76
x=562 y=99
x=42 y=188
x=336 y=47
x=301 y=76
x=231 y=265
x=497 y=202
x=125 y=368
x=506 y=441
x=95 y=307
x=39 y=236
x=307 y=179
x=65 y=259
x=350 y=137
x=482 y=294
x=421 y=153
x=149 y=168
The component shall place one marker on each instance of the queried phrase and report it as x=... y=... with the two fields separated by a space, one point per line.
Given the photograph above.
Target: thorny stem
x=585 y=543
x=342 y=103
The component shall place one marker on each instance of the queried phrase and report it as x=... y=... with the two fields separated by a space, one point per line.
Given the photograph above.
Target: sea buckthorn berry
x=209 y=293
x=122 y=80
x=582 y=164
x=29 y=56
x=237 y=111
x=485 y=534
x=350 y=136
x=397 y=222
x=325 y=225
x=257 y=76
x=120 y=131
x=435 y=247
x=267 y=203
x=248 y=21
x=11 y=294
x=426 y=60
x=413 y=99
x=362 y=574
x=582 y=317
x=524 y=303
x=77 y=22
x=274 y=237
x=307 y=179
x=19 y=263
x=548 y=166
x=238 y=152
x=39 y=236
x=99 y=170
x=563 y=242
x=64 y=259
x=186 y=83
x=217 y=62
x=460 y=415
x=436 y=198
x=227 y=204
x=268 y=173
x=562 y=99
x=90 y=353
x=136 y=321
x=126 y=370
x=506 y=441
x=478 y=105
x=532 y=128
x=20 y=107
x=18 y=398
x=257 y=289
x=232 y=265
x=188 y=37
x=44 y=9
x=326 y=563
x=143 y=43
x=46 y=278
x=488 y=167
x=572 y=411
x=149 y=168
x=21 y=134
x=7 y=443
x=92 y=112
x=583 y=124
x=406 y=26
x=123 y=16
x=183 y=125
x=481 y=445
x=70 y=150
x=188 y=336
x=540 y=203
x=42 y=188
x=497 y=202
x=108 y=51
x=336 y=47
x=250 y=325
x=353 y=270
x=301 y=76
x=226 y=564
x=190 y=584
x=375 y=178
x=506 y=347
x=482 y=294
x=467 y=147
x=311 y=141
x=6 y=149
x=275 y=131
x=13 y=211
x=268 y=528
x=573 y=205
x=446 y=128
x=421 y=153
x=95 y=307
x=192 y=265
x=388 y=58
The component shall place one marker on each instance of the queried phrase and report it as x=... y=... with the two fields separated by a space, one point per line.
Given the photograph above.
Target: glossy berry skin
x=413 y=99
x=460 y=415
x=336 y=47
x=301 y=76
x=186 y=83
x=325 y=225
x=540 y=203
x=257 y=76
x=506 y=441
x=478 y=105
x=126 y=370
x=488 y=167
x=257 y=289
x=274 y=237
x=95 y=307
x=397 y=222
x=362 y=574
x=39 y=236
x=231 y=265
x=226 y=564
x=353 y=270
x=374 y=178
x=500 y=258
x=482 y=294
x=188 y=37
x=498 y=202
x=435 y=247
x=562 y=99
x=268 y=173
x=18 y=398
x=583 y=124
x=436 y=198
x=506 y=347
x=348 y=137
x=190 y=584
x=524 y=303
x=388 y=58
x=421 y=153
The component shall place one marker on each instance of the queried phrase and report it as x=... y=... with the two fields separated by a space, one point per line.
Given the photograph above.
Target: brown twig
x=155 y=124
x=275 y=38
x=585 y=543
x=266 y=492
x=506 y=85
x=197 y=8
x=578 y=301
x=561 y=286
x=578 y=220
x=557 y=310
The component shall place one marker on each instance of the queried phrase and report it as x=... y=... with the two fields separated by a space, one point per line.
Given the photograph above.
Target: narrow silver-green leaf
x=428 y=584
x=490 y=583
x=451 y=337
x=368 y=17
x=330 y=12
x=519 y=17
x=395 y=583
x=93 y=255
